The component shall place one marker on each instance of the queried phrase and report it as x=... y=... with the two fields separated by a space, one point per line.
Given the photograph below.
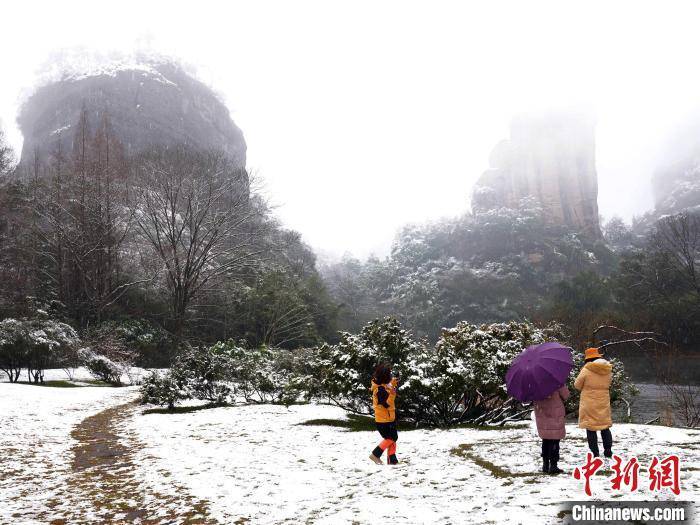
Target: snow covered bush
x=101 y=367
x=117 y=353
x=264 y=374
x=470 y=365
x=165 y=389
x=13 y=351
x=35 y=344
x=46 y=340
x=197 y=373
x=460 y=379
x=204 y=372
x=258 y=375
x=344 y=371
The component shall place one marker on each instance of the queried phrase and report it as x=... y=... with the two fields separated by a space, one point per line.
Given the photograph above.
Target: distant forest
x=176 y=245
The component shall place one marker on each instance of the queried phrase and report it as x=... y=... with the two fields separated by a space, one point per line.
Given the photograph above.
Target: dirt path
x=104 y=476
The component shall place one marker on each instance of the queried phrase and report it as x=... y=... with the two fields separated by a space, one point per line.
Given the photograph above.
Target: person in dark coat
x=549 y=416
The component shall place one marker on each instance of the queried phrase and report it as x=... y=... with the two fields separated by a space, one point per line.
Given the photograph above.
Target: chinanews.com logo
x=660 y=475
x=631 y=512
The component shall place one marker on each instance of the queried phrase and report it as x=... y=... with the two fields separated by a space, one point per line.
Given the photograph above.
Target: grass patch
x=472 y=426
x=466 y=450
x=353 y=423
x=184 y=410
x=55 y=384
x=97 y=382
x=688 y=446
x=358 y=423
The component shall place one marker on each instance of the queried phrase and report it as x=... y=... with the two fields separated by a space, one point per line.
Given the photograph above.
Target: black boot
x=393 y=460
x=545 y=455
x=553 y=468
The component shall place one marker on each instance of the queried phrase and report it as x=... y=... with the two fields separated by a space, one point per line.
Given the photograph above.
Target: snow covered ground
x=86 y=455
x=259 y=463
x=82 y=375
x=36 y=446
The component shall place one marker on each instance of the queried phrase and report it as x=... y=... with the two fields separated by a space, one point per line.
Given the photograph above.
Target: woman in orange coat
x=384 y=387
x=594 y=413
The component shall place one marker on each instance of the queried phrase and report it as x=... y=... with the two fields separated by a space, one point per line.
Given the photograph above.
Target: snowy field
x=36 y=447
x=89 y=455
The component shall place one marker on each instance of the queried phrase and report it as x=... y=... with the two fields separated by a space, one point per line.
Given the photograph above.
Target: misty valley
x=173 y=352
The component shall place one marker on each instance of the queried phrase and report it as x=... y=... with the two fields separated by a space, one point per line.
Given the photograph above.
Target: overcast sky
x=362 y=116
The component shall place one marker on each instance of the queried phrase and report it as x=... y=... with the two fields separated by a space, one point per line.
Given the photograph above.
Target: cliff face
x=146 y=106
x=676 y=178
x=550 y=159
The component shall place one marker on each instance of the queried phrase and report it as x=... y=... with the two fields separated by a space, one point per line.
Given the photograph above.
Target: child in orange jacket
x=384 y=387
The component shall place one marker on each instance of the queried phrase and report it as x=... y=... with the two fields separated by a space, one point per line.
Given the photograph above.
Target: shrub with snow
x=197 y=373
x=470 y=366
x=101 y=367
x=344 y=370
x=205 y=373
x=264 y=374
x=13 y=351
x=165 y=389
x=36 y=344
x=461 y=379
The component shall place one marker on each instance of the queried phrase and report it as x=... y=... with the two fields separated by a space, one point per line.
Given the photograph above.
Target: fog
x=363 y=116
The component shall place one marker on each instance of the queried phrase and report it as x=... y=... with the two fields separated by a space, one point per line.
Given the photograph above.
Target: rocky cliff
x=147 y=105
x=676 y=178
x=550 y=159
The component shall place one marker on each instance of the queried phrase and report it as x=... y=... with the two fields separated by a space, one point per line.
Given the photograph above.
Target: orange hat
x=592 y=352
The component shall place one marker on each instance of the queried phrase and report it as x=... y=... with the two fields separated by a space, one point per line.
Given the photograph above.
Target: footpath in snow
x=36 y=447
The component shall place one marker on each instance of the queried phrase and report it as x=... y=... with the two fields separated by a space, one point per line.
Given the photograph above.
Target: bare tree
x=684 y=400
x=6 y=155
x=83 y=222
x=625 y=337
x=193 y=210
x=677 y=237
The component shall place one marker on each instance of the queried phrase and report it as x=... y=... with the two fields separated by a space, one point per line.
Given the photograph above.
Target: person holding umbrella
x=549 y=417
x=539 y=374
x=594 y=413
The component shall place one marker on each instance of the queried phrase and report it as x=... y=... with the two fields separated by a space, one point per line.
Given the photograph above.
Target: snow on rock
x=259 y=463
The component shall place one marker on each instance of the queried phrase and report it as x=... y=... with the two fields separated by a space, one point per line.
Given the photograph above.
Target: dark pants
x=550 y=449
x=593 y=442
x=388 y=430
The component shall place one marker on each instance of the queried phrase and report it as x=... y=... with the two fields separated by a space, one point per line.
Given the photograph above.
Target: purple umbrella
x=538 y=371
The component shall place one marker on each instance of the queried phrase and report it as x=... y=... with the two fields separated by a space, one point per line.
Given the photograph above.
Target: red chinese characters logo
x=627 y=475
x=663 y=473
x=588 y=470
